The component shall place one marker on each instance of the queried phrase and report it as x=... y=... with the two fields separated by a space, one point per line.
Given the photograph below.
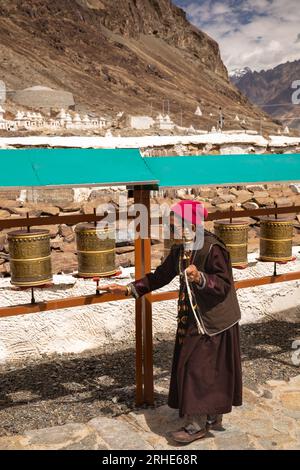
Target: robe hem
x=219 y=411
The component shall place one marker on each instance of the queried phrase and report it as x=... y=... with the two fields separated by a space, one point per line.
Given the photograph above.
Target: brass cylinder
x=235 y=236
x=276 y=239
x=96 y=250
x=30 y=258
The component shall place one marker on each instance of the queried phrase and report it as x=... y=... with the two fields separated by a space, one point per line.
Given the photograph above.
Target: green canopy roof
x=75 y=167
x=224 y=169
x=87 y=167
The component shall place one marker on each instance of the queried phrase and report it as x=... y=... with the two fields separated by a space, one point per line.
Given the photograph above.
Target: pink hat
x=191 y=211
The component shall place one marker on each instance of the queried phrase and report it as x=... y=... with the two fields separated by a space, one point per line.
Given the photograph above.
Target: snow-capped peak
x=239 y=73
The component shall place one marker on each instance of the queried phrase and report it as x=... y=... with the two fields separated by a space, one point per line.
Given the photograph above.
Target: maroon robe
x=206 y=372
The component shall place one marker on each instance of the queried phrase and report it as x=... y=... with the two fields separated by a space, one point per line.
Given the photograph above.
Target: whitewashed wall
x=79 y=329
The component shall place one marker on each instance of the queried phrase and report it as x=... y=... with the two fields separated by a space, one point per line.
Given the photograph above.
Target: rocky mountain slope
x=113 y=56
x=272 y=90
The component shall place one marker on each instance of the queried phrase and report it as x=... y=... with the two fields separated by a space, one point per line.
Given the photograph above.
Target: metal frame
x=143 y=306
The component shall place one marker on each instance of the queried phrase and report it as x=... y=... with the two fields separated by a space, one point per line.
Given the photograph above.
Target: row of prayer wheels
x=276 y=240
x=30 y=255
x=30 y=252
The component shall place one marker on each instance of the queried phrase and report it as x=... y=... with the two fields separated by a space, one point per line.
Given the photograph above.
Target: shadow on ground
x=77 y=388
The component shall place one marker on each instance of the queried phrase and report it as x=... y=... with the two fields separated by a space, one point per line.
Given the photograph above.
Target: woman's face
x=177 y=229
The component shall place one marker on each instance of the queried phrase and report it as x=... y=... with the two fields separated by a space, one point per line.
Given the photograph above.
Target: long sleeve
x=217 y=276
x=161 y=276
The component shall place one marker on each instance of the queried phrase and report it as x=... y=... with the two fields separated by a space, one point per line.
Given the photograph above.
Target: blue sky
x=259 y=34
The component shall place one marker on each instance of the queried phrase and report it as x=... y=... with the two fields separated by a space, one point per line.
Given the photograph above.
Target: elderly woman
x=206 y=379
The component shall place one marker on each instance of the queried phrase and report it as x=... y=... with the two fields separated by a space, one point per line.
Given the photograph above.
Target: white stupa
x=191 y=128
x=77 y=118
x=68 y=121
x=237 y=118
x=61 y=117
x=19 y=116
x=286 y=130
x=108 y=133
x=77 y=121
x=213 y=129
x=198 y=111
x=86 y=120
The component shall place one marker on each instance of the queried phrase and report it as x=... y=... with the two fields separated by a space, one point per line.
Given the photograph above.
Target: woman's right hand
x=115 y=289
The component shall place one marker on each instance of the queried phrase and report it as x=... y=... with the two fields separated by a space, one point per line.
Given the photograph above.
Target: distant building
x=2 y=111
x=2 y=92
x=140 y=122
x=164 y=123
x=44 y=97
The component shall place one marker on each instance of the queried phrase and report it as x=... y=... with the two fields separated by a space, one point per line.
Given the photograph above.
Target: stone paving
x=269 y=419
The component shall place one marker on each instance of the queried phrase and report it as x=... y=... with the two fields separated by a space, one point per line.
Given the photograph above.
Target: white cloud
x=255 y=33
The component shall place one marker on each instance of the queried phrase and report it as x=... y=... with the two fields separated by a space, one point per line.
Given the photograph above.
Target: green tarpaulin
x=75 y=167
x=86 y=167
x=224 y=169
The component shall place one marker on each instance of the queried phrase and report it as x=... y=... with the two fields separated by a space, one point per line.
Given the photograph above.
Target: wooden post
x=143 y=312
x=147 y=326
x=139 y=393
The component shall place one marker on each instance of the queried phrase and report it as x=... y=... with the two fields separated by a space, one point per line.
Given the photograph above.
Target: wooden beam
x=58 y=219
x=69 y=302
x=163 y=296
x=75 y=219
x=243 y=284
x=84 y=300
x=217 y=215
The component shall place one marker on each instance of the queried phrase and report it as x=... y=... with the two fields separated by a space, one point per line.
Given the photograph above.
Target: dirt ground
x=76 y=388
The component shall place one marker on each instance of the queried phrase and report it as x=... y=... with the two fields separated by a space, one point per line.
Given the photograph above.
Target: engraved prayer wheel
x=30 y=257
x=235 y=236
x=276 y=239
x=96 y=250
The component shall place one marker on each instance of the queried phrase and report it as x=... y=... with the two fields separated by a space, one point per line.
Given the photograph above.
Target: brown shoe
x=214 y=423
x=184 y=437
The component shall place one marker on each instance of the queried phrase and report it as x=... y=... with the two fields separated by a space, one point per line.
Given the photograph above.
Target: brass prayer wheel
x=276 y=239
x=96 y=250
x=30 y=257
x=235 y=236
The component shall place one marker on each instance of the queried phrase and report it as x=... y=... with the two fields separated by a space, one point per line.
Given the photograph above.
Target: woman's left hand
x=193 y=274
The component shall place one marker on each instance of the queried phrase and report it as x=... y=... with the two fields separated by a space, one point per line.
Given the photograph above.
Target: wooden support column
x=147 y=326
x=139 y=369
x=143 y=311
